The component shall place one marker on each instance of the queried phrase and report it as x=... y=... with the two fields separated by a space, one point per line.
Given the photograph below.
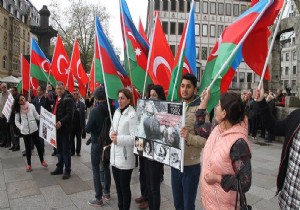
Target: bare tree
x=78 y=20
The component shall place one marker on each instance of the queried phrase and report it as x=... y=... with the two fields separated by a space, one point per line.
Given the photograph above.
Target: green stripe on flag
x=39 y=74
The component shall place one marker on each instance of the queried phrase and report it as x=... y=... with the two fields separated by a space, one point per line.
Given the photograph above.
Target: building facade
x=16 y=16
x=211 y=18
x=290 y=61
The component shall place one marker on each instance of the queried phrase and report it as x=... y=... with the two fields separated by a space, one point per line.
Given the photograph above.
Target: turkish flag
x=161 y=58
x=77 y=69
x=27 y=81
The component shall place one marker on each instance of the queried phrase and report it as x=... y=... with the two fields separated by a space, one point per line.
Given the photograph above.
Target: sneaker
x=44 y=164
x=28 y=168
x=96 y=202
x=106 y=197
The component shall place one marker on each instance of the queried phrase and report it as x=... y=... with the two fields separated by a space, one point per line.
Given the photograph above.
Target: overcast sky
x=138 y=8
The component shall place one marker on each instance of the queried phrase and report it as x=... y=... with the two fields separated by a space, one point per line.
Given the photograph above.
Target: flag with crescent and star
x=185 y=60
x=161 y=59
x=40 y=67
x=229 y=41
x=77 y=70
x=60 y=64
x=136 y=49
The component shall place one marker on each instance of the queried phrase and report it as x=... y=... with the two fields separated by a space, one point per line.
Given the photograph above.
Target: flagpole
x=182 y=49
x=126 y=46
x=149 y=55
x=239 y=44
x=271 y=45
x=104 y=80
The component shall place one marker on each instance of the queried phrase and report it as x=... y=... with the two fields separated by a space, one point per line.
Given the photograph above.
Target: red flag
x=27 y=81
x=142 y=31
x=161 y=59
x=92 y=77
x=77 y=69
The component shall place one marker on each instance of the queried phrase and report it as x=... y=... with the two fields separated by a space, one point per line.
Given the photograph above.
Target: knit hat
x=99 y=93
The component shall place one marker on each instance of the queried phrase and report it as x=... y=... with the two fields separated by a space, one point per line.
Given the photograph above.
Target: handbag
x=106 y=154
x=243 y=201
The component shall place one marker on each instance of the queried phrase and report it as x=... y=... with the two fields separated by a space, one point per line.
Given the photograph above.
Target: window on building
x=28 y=48
x=287 y=69
x=4 y=62
x=242 y=77
x=293 y=85
x=294 y=70
x=197 y=6
x=243 y=8
x=165 y=5
x=220 y=30
x=294 y=56
x=281 y=57
x=197 y=29
x=198 y=73
x=172 y=49
x=181 y=6
x=228 y=9
x=204 y=29
x=281 y=70
x=5 y=22
x=220 y=8
x=172 y=28
x=204 y=53
x=249 y=77
x=15 y=64
x=188 y=5
x=180 y=28
x=213 y=8
x=23 y=51
x=157 y=5
x=165 y=27
x=173 y=5
x=197 y=53
x=287 y=56
x=235 y=10
x=5 y=41
x=205 y=7
x=212 y=30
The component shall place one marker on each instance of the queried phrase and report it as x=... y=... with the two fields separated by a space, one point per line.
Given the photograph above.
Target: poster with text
x=7 y=109
x=47 y=129
x=158 y=132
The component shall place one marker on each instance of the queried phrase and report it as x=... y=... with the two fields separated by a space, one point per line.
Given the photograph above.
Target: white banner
x=47 y=130
x=8 y=107
x=158 y=137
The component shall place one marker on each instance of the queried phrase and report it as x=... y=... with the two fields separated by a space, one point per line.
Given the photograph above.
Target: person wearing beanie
x=101 y=171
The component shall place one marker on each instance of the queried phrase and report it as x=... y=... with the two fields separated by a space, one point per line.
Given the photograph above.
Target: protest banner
x=47 y=130
x=8 y=107
x=158 y=132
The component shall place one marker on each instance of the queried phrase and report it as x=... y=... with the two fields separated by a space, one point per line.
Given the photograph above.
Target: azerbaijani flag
x=40 y=65
x=185 y=60
x=137 y=48
x=224 y=49
x=110 y=66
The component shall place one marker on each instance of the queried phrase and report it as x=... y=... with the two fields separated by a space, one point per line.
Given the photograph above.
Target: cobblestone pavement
x=40 y=190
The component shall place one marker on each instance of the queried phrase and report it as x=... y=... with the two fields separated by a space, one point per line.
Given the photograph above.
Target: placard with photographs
x=158 y=132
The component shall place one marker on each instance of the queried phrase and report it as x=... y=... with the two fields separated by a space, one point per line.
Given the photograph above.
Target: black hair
x=15 y=88
x=232 y=103
x=148 y=89
x=191 y=78
x=16 y=105
x=159 y=91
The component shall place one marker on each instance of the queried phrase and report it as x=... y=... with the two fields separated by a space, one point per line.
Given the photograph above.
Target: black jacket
x=287 y=128
x=43 y=102
x=64 y=113
x=81 y=108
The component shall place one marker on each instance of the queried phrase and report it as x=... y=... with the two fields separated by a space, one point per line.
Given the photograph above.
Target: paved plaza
x=40 y=190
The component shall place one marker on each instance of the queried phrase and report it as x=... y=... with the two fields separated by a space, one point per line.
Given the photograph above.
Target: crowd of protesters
x=224 y=173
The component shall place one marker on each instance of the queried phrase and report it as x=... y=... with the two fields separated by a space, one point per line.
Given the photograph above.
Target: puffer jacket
x=216 y=159
x=194 y=143
x=121 y=154
x=27 y=123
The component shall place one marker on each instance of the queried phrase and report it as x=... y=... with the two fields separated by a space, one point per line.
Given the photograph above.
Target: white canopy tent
x=10 y=79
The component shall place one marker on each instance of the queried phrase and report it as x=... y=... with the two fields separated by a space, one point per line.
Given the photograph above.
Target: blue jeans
x=63 y=152
x=184 y=186
x=101 y=172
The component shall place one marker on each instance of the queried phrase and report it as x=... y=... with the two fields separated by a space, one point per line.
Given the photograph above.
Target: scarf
x=25 y=108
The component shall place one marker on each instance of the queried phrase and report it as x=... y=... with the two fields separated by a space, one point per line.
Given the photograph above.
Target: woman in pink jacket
x=226 y=155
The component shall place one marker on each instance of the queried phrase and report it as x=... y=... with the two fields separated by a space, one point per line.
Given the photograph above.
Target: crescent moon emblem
x=130 y=34
x=186 y=66
x=160 y=60
x=77 y=68
x=219 y=44
x=43 y=66
x=60 y=57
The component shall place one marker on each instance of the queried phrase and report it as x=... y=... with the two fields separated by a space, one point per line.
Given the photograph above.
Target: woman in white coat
x=122 y=159
x=25 y=120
